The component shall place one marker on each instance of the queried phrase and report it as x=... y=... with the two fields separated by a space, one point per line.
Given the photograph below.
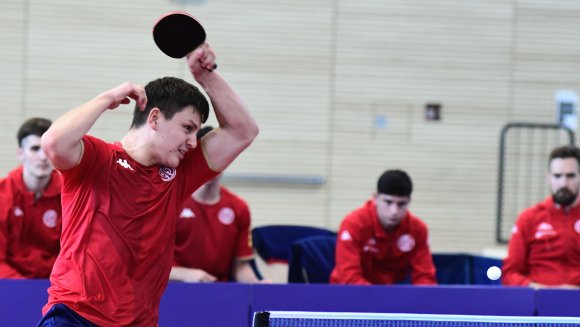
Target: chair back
x=273 y=242
x=312 y=260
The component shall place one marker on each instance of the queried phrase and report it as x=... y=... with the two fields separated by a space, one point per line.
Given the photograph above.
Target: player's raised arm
x=237 y=127
x=62 y=141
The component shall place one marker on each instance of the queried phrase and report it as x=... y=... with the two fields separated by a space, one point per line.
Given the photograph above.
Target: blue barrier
x=231 y=304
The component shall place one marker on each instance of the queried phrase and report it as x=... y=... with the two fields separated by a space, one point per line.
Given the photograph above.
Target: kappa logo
x=543 y=230
x=577 y=226
x=123 y=163
x=18 y=212
x=167 y=174
x=186 y=213
x=345 y=236
x=371 y=246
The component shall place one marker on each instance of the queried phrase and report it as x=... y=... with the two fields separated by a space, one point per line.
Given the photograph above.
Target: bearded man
x=544 y=250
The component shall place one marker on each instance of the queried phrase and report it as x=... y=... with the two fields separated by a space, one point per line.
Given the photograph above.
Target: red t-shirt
x=367 y=254
x=118 y=233
x=544 y=247
x=211 y=237
x=29 y=227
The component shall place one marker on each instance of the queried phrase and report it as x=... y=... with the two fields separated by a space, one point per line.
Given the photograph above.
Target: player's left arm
x=422 y=267
x=6 y=269
x=237 y=128
x=515 y=270
x=243 y=272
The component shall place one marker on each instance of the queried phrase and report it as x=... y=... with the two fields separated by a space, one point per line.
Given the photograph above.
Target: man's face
x=564 y=180
x=33 y=159
x=177 y=136
x=391 y=209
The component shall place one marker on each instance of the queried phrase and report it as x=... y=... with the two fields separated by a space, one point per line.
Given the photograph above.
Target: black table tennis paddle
x=177 y=33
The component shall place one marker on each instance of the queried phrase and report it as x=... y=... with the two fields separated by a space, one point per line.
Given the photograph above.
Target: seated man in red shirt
x=381 y=242
x=212 y=236
x=30 y=210
x=544 y=249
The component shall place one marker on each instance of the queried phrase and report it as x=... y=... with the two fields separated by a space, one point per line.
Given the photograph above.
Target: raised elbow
x=49 y=145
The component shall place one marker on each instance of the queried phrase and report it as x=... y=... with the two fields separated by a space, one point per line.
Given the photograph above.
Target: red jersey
x=367 y=254
x=29 y=227
x=212 y=236
x=544 y=247
x=118 y=233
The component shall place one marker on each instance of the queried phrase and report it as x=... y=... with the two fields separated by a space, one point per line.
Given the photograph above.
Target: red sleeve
x=6 y=270
x=196 y=167
x=243 y=247
x=422 y=267
x=92 y=158
x=515 y=267
x=348 y=267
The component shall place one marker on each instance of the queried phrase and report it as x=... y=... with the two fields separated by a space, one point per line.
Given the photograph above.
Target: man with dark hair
x=120 y=200
x=212 y=240
x=544 y=249
x=381 y=242
x=30 y=210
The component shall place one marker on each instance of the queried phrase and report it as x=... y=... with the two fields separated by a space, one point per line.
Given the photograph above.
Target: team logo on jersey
x=345 y=236
x=406 y=243
x=123 y=163
x=371 y=245
x=514 y=229
x=543 y=230
x=577 y=226
x=226 y=216
x=18 y=212
x=186 y=213
x=49 y=218
x=167 y=174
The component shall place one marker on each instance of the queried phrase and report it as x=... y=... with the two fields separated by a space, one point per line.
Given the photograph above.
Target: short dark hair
x=204 y=130
x=395 y=182
x=33 y=126
x=565 y=152
x=170 y=95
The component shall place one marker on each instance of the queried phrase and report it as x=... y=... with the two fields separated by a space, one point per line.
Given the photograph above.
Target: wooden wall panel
x=338 y=88
x=13 y=19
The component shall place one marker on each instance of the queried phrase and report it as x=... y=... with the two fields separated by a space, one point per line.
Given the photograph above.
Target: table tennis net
x=344 y=319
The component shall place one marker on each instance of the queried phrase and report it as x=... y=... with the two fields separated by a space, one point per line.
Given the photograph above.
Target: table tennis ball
x=493 y=273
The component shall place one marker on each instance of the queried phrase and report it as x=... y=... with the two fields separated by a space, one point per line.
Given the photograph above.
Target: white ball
x=493 y=273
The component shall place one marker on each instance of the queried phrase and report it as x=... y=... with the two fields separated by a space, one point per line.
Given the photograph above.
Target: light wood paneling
x=320 y=76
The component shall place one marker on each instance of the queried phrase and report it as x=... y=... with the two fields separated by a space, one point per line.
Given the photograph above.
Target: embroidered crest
x=49 y=218
x=226 y=216
x=167 y=174
x=406 y=243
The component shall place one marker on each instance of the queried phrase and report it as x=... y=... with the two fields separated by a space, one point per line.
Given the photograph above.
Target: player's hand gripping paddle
x=178 y=33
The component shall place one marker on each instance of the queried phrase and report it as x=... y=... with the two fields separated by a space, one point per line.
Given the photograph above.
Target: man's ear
x=20 y=153
x=153 y=118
